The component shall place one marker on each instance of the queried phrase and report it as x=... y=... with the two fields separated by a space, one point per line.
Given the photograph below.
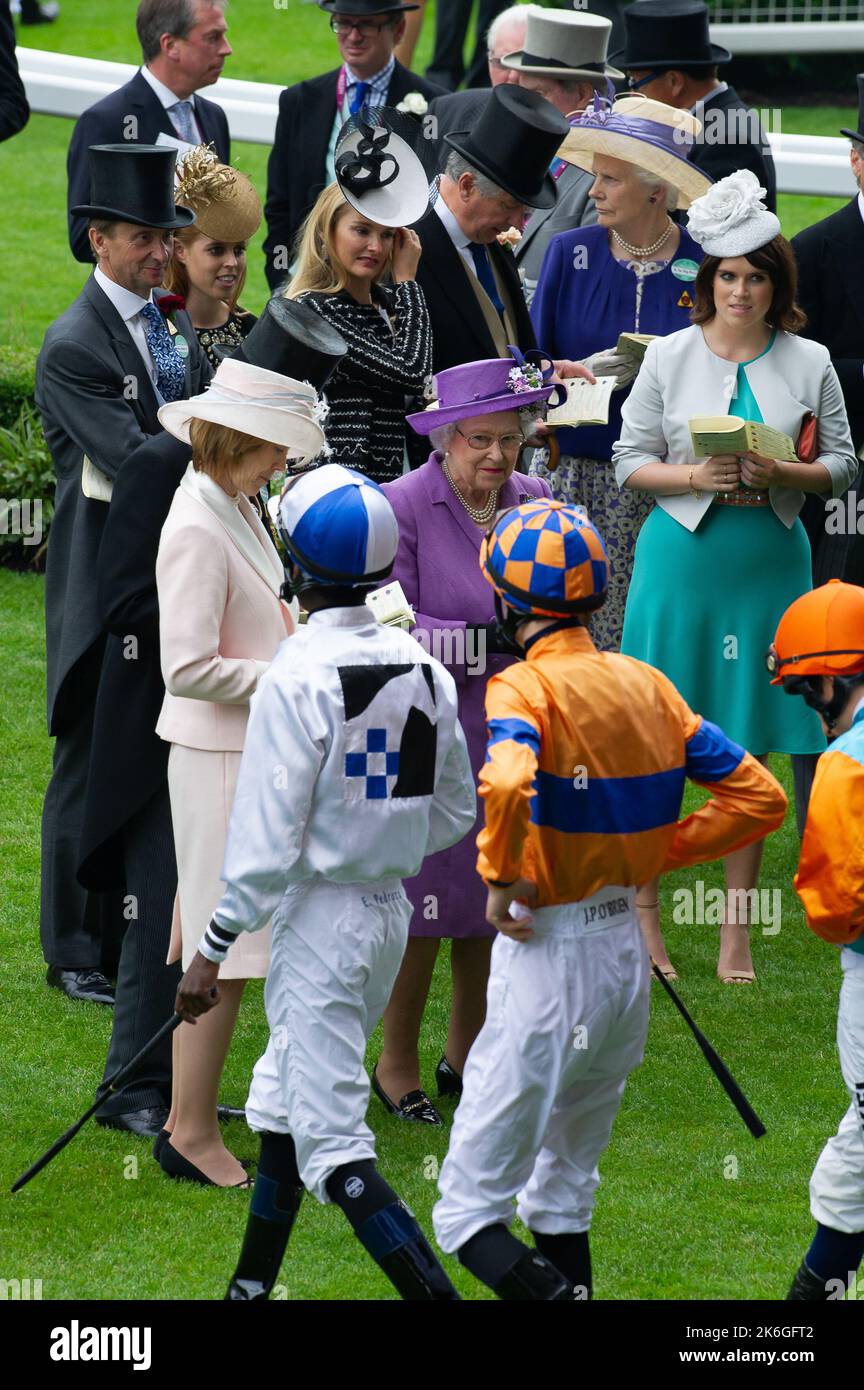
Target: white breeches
x=837 y=1184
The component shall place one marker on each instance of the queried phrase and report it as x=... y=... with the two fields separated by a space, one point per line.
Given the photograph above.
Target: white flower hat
x=731 y=219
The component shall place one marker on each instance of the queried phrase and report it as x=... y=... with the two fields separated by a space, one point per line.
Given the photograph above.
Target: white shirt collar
x=861 y=205
x=451 y=226
x=165 y=94
x=126 y=302
x=695 y=108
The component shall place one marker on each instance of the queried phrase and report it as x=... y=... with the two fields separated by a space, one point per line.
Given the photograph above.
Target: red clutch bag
x=807 y=446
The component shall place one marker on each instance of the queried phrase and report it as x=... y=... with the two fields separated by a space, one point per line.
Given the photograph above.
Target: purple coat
x=438 y=566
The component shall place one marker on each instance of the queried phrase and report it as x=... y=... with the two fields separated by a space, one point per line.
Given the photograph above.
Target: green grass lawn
x=689 y=1207
x=272 y=43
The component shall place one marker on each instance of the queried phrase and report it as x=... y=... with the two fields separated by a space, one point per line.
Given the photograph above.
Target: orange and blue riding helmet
x=546 y=558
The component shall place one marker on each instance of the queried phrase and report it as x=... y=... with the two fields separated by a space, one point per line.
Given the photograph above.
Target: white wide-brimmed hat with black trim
x=385 y=167
x=256 y=402
x=565 y=44
x=643 y=132
x=731 y=219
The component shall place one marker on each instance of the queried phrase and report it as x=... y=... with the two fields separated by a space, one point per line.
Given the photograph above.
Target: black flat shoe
x=447 y=1079
x=88 y=985
x=159 y=1142
x=148 y=1122
x=416 y=1105
x=174 y=1165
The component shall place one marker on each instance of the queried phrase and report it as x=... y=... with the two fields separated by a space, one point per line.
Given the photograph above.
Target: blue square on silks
x=376 y=740
x=392 y=764
x=376 y=788
x=355 y=764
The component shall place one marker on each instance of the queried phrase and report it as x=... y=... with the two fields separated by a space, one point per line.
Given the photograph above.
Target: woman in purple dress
x=631 y=273
x=485 y=410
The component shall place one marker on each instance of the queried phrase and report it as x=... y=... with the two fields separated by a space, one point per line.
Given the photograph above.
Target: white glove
x=612 y=363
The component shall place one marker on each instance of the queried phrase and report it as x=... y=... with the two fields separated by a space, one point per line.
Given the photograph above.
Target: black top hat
x=134 y=183
x=859 y=133
x=364 y=7
x=293 y=339
x=668 y=34
x=513 y=143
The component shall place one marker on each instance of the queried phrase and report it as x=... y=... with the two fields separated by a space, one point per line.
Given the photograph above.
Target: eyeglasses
x=343 y=27
x=634 y=83
x=483 y=442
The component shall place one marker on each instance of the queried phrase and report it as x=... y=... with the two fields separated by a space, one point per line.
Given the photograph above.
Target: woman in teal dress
x=723 y=553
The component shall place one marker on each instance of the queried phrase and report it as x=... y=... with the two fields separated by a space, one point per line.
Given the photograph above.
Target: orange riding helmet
x=820 y=634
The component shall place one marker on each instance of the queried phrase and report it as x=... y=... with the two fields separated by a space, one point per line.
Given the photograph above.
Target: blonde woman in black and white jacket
x=343 y=258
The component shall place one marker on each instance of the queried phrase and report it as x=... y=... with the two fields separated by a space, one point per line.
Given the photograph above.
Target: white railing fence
x=59 y=84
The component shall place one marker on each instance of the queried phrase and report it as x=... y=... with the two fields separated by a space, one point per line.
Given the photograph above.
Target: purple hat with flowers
x=481 y=388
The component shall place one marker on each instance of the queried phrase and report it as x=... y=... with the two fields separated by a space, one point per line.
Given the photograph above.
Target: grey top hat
x=564 y=44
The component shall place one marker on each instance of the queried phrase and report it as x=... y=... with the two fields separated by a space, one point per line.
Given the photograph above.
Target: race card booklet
x=633 y=345
x=728 y=434
x=585 y=404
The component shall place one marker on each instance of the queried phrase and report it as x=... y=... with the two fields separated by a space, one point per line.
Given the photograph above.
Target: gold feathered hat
x=224 y=201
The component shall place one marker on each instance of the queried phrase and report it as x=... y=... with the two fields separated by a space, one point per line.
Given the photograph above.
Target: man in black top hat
x=183 y=46
x=495 y=175
x=669 y=57
x=831 y=293
x=312 y=113
x=127 y=838
x=105 y=367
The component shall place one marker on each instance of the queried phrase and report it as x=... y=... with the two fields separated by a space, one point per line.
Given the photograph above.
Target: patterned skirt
x=618 y=513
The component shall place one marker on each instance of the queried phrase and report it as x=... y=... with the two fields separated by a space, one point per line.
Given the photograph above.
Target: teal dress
x=704 y=605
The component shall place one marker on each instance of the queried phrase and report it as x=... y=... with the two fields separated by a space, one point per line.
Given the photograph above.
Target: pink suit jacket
x=221 y=618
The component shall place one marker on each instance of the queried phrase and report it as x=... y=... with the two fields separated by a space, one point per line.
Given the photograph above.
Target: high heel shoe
x=174 y=1165
x=414 y=1105
x=447 y=1079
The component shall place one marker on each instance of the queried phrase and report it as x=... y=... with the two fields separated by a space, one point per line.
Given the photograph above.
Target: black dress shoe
x=88 y=984
x=147 y=1122
x=447 y=1078
x=165 y=1134
x=224 y=1113
x=416 y=1105
x=174 y=1165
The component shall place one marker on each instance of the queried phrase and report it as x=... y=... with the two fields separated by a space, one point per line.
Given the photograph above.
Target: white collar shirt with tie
x=460 y=239
x=129 y=306
x=190 y=131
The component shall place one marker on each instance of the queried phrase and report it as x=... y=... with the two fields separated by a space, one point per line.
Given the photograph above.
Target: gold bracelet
x=694 y=491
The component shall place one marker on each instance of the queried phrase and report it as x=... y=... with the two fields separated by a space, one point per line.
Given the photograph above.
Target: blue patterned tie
x=483 y=266
x=170 y=372
x=182 y=114
x=359 y=96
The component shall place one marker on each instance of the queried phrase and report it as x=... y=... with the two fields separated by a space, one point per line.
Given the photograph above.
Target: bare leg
x=398 y=1068
x=648 y=910
x=202 y=1052
x=742 y=873
x=469 y=966
x=175 y=1080
x=413 y=25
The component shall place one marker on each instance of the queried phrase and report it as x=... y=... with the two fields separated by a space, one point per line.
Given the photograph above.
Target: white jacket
x=355 y=768
x=681 y=377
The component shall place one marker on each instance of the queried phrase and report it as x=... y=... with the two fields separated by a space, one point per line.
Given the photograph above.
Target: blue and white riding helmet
x=338 y=527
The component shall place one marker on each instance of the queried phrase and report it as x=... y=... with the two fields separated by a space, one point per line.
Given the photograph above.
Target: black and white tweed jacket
x=386 y=363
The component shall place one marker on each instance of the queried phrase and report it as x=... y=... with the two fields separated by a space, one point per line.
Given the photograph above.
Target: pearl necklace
x=481 y=515
x=645 y=250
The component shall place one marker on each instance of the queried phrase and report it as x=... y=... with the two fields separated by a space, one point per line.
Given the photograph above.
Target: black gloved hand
x=488 y=639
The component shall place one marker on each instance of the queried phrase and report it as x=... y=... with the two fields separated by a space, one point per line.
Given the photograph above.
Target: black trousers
x=146 y=986
x=452 y=18
x=77 y=928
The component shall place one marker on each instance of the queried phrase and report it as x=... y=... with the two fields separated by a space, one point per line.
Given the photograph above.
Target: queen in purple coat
x=477 y=427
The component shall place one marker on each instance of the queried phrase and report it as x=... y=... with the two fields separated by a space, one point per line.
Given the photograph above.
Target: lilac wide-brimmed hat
x=481 y=388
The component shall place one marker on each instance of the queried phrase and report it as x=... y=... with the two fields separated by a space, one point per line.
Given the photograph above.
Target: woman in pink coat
x=219 y=578
x=478 y=426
